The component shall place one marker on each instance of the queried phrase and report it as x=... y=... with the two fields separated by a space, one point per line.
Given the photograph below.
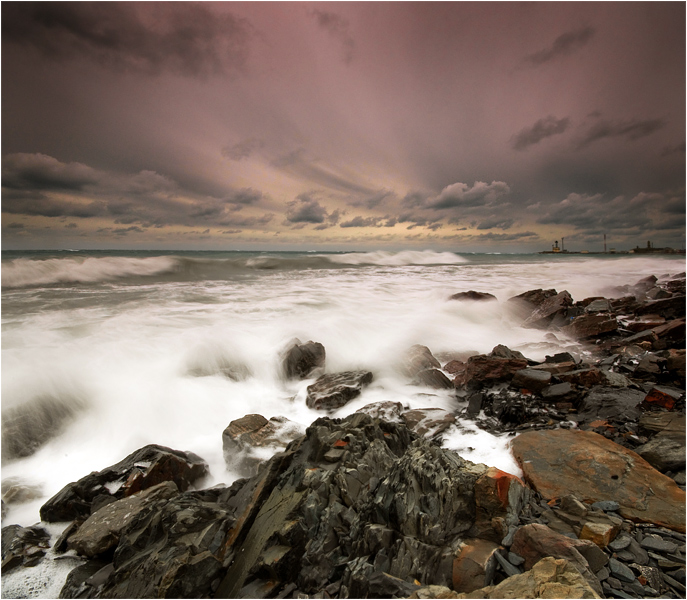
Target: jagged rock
x=334 y=390
x=590 y=325
x=535 y=541
x=142 y=469
x=482 y=369
x=586 y=378
x=475 y=565
x=23 y=546
x=473 y=296
x=531 y=379
x=560 y=462
x=246 y=440
x=668 y=308
x=387 y=411
x=549 y=578
x=611 y=403
x=26 y=427
x=419 y=358
x=524 y=304
x=300 y=360
x=501 y=351
x=550 y=312
x=644 y=323
x=430 y=423
x=559 y=392
x=433 y=378
x=666 y=451
x=102 y=530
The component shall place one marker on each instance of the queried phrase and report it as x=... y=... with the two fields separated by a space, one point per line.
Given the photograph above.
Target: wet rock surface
x=334 y=390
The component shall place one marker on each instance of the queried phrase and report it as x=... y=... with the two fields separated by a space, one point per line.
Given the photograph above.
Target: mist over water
x=119 y=350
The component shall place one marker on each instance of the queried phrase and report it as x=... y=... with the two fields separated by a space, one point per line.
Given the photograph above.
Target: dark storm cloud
x=39 y=172
x=631 y=130
x=362 y=222
x=185 y=38
x=296 y=164
x=673 y=150
x=243 y=149
x=244 y=197
x=563 y=45
x=542 y=129
x=462 y=195
x=496 y=223
x=305 y=210
x=599 y=214
x=337 y=27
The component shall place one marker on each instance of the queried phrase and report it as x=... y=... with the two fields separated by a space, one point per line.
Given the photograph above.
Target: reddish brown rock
x=475 y=565
x=455 y=367
x=584 y=377
x=556 y=368
x=644 y=323
x=590 y=325
x=657 y=397
x=560 y=462
x=488 y=369
x=672 y=330
x=499 y=498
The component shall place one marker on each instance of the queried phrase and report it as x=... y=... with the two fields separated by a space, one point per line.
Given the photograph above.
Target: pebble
x=620 y=571
x=516 y=559
x=607 y=505
x=602 y=574
x=676 y=585
x=658 y=544
x=508 y=568
x=620 y=543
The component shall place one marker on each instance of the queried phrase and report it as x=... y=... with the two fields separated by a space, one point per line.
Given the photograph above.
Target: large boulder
x=473 y=296
x=666 y=450
x=301 y=360
x=561 y=462
x=142 y=469
x=524 y=304
x=611 y=403
x=551 y=311
x=486 y=369
x=334 y=390
x=591 y=326
x=248 y=441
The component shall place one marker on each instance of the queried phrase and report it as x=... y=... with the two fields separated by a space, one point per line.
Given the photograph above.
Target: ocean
x=170 y=347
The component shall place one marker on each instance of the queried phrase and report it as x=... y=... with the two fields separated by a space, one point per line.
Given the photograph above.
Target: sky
x=464 y=126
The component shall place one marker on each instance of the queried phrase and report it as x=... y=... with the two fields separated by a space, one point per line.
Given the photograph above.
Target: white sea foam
x=149 y=363
x=404 y=258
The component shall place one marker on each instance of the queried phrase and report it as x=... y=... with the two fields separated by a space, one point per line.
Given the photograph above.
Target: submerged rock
x=334 y=390
x=301 y=360
x=473 y=296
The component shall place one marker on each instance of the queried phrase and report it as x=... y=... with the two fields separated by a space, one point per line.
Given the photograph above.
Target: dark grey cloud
x=15 y=225
x=503 y=237
x=305 y=209
x=337 y=27
x=542 y=129
x=631 y=130
x=185 y=38
x=462 y=195
x=244 y=196
x=564 y=44
x=360 y=221
x=375 y=200
x=243 y=149
x=297 y=164
x=496 y=223
x=39 y=172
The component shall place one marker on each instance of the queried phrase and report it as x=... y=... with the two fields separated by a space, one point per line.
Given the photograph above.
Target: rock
x=668 y=308
x=102 y=530
x=501 y=351
x=599 y=533
x=524 y=304
x=15 y=491
x=455 y=367
x=475 y=565
x=301 y=360
x=586 y=378
x=559 y=392
x=606 y=505
x=535 y=541
x=26 y=427
x=560 y=462
x=556 y=367
x=588 y=326
x=620 y=543
x=551 y=311
x=610 y=403
x=429 y=423
x=571 y=505
x=666 y=450
x=482 y=369
x=388 y=411
x=23 y=546
x=419 y=358
x=596 y=305
x=620 y=571
x=142 y=469
x=499 y=499
x=663 y=397
x=531 y=379
x=473 y=296
x=246 y=440
x=433 y=378
x=644 y=323
x=658 y=544
x=334 y=390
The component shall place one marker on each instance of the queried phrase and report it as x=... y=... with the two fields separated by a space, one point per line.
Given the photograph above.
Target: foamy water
x=138 y=345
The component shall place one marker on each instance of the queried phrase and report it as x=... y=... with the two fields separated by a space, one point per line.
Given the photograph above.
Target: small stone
x=602 y=574
x=607 y=505
x=658 y=544
x=517 y=560
x=599 y=533
x=507 y=567
x=572 y=505
x=620 y=571
x=620 y=543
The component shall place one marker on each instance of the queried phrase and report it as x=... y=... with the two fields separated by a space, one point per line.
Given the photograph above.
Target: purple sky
x=481 y=126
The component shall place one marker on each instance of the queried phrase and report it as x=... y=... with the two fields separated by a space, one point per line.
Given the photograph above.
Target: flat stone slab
x=560 y=462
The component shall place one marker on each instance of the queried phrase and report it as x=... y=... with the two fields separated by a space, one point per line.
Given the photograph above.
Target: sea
x=151 y=347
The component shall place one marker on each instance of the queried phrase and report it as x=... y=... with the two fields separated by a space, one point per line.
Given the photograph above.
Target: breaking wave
x=25 y=272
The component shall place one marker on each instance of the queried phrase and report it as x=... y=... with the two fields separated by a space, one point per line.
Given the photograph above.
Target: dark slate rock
x=300 y=360
x=607 y=505
x=620 y=571
x=657 y=544
x=142 y=469
x=545 y=314
x=559 y=392
x=433 y=378
x=611 y=403
x=23 y=546
x=620 y=543
x=419 y=358
x=334 y=390
x=501 y=351
x=531 y=379
x=473 y=296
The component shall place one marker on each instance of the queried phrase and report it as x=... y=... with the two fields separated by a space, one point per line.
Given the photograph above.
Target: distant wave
x=25 y=272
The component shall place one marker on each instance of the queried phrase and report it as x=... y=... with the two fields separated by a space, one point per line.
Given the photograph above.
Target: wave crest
x=399 y=259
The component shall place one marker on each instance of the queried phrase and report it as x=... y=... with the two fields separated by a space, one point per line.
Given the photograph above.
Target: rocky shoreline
x=372 y=506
